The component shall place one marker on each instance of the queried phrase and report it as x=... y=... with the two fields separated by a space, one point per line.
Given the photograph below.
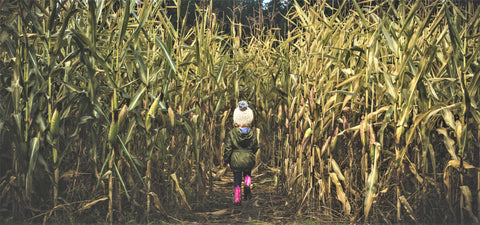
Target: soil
x=268 y=204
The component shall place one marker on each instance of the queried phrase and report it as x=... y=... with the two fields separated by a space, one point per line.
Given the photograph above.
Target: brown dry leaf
x=362 y=131
x=90 y=204
x=67 y=175
x=218 y=175
x=279 y=114
x=318 y=150
x=449 y=118
x=407 y=207
x=467 y=195
x=157 y=203
x=376 y=113
x=372 y=136
x=414 y=171
x=302 y=111
x=446 y=179
x=224 y=119
x=346 y=100
x=449 y=143
x=292 y=106
x=340 y=194
x=399 y=133
x=303 y=201
x=330 y=101
x=456 y=164
x=337 y=170
x=321 y=189
x=324 y=147
x=458 y=131
x=180 y=192
x=6 y=187
x=171 y=115
x=220 y=212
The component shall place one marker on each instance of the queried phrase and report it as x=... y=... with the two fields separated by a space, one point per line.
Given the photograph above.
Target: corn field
x=110 y=113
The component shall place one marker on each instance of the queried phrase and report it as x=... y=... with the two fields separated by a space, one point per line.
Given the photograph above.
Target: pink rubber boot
x=246 y=189
x=238 y=196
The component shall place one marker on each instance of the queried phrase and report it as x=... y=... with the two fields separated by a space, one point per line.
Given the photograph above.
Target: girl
x=240 y=147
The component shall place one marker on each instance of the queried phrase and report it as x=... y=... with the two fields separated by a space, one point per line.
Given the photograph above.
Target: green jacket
x=240 y=149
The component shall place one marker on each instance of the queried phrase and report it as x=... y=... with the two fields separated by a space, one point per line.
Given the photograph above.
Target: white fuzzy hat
x=242 y=115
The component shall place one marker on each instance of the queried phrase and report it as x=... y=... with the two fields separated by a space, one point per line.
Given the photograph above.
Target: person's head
x=243 y=115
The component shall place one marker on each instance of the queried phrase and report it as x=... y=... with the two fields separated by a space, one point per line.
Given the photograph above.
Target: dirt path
x=267 y=205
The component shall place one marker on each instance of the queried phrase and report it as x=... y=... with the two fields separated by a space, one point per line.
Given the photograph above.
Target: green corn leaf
x=392 y=43
x=372 y=182
x=166 y=54
x=131 y=131
x=410 y=16
x=130 y=158
x=104 y=165
x=32 y=164
x=121 y=180
x=142 y=68
x=125 y=19
x=137 y=98
x=360 y=13
x=93 y=24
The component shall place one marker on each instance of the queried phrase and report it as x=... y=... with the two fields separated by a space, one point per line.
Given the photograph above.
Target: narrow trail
x=268 y=204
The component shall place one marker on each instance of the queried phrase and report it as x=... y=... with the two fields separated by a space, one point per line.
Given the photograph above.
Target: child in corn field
x=240 y=147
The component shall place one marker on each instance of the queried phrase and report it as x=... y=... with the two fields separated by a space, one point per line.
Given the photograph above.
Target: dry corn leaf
x=171 y=115
x=467 y=201
x=407 y=207
x=303 y=200
x=362 y=132
x=180 y=192
x=220 y=212
x=449 y=143
x=90 y=204
x=341 y=194
x=449 y=118
x=292 y=106
x=413 y=169
x=370 y=116
x=372 y=136
x=455 y=163
x=321 y=189
x=337 y=170
x=330 y=102
x=157 y=203
x=324 y=148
